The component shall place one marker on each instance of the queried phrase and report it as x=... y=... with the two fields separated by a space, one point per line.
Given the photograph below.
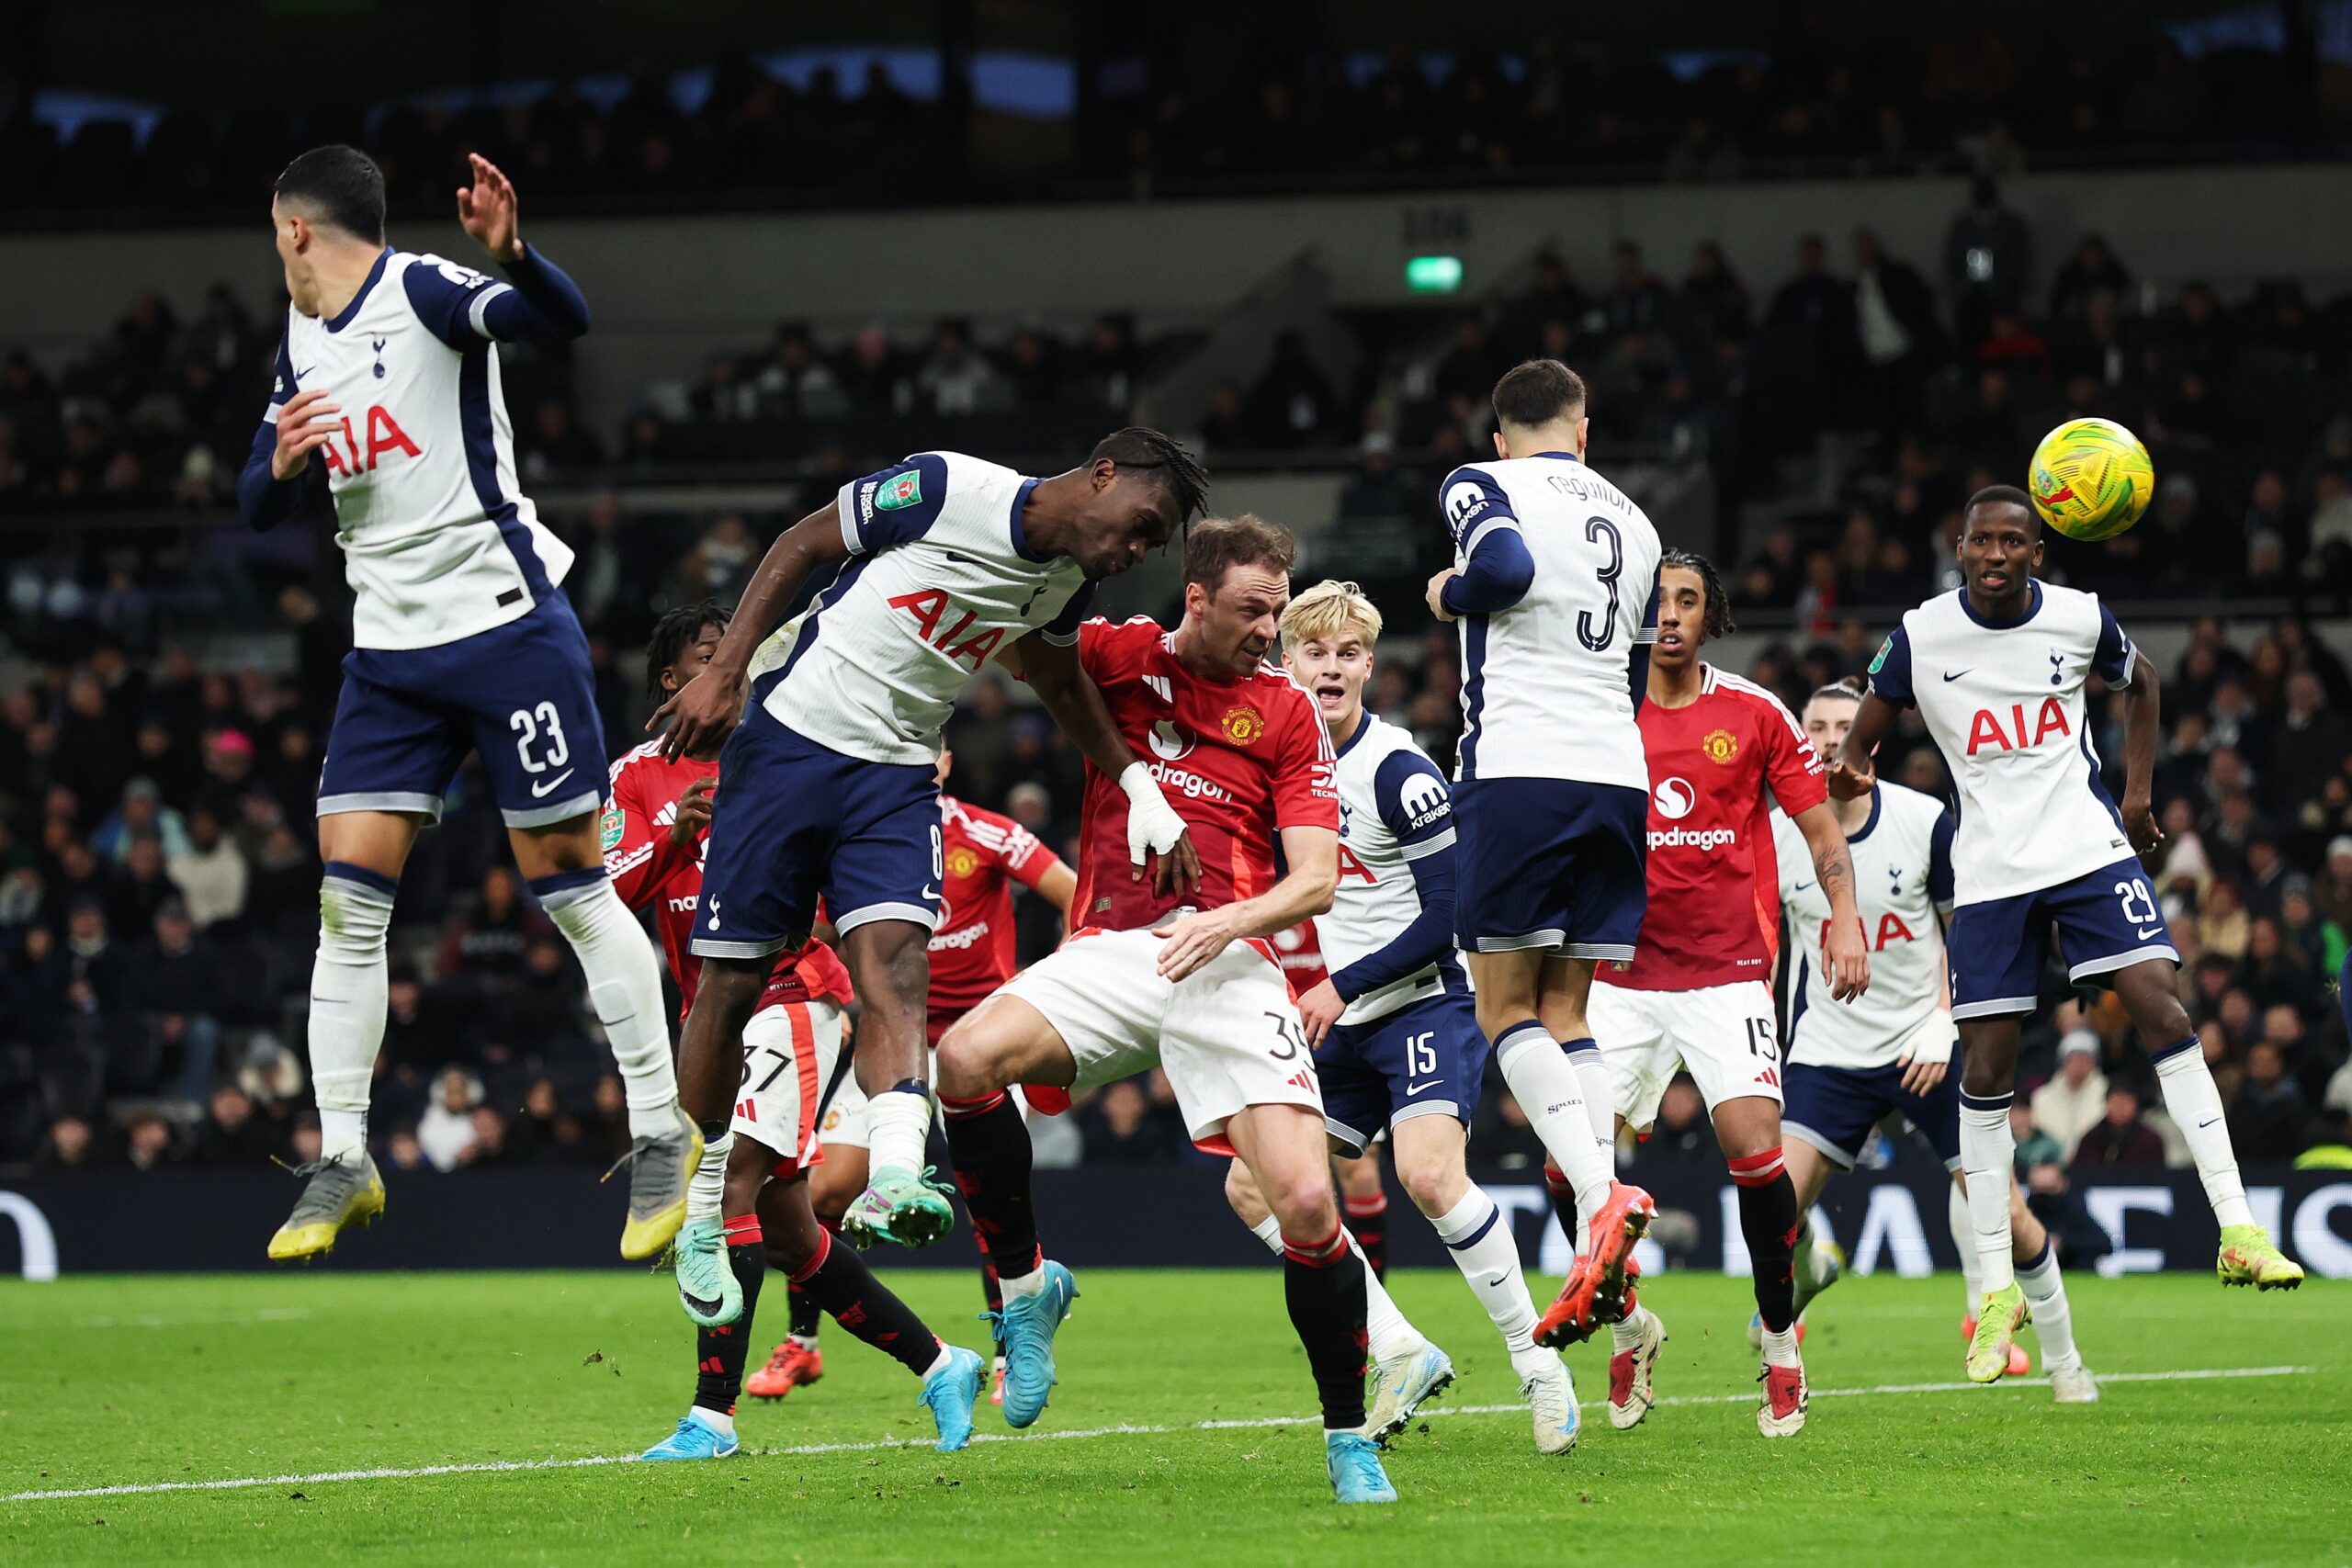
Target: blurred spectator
x=446 y=1131
x=2119 y=1137
x=1988 y=253
x=209 y=872
x=231 y=1135
x=1118 y=1129
x=2268 y=1117
x=2034 y=1146
x=2069 y=1105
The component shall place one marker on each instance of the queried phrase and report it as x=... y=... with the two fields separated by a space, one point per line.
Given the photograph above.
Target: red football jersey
x=1239 y=760
x=982 y=854
x=1714 y=890
x=1300 y=950
x=647 y=869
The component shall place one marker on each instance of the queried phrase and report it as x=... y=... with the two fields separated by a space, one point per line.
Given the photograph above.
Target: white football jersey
x=439 y=541
x=1393 y=810
x=1544 y=687
x=1902 y=857
x=2005 y=705
x=939 y=577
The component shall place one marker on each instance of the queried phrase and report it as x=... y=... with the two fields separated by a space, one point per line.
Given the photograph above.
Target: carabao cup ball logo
x=1674 y=798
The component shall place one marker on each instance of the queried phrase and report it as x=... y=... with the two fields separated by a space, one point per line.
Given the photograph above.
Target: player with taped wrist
x=892 y=597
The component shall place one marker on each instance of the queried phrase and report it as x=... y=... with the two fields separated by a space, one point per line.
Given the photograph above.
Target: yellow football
x=2091 y=479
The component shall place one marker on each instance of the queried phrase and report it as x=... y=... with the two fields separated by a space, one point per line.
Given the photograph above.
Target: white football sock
x=2195 y=1105
x=1964 y=1236
x=1780 y=1348
x=2053 y=1322
x=625 y=989
x=1487 y=1254
x=1550 y=1091
x=1986 y=1151
x=898 y=1122
x=707 y=1188
x=349 y=986
x=1600 y=1092
x=1626 y=1332
x=943 y=1358
x=1032 y=1284
x=719 y=1421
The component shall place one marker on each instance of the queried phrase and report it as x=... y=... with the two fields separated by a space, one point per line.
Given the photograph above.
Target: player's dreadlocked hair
x=675 y=632
x=1718 y=620
x=1140 y=446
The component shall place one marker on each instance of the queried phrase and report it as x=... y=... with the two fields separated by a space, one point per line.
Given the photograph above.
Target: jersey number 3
x=1600 y=530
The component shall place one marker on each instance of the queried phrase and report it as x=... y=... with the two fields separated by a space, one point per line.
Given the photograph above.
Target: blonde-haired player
x=1396 y=1039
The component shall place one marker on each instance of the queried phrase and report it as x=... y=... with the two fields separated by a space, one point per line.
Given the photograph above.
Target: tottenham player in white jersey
x=1889 y=1051
x=1997 y=669
x=387 y=380
x=1394 y=1033
x=1554 y=583
x=829 y=784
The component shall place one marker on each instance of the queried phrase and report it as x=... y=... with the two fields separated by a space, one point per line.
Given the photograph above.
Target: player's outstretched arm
x=544 y=306
x=1853 y=774
x=1061 y=683
x=1312 y=857
x=703 y=711
x=2143 y=708
x=1846 y=955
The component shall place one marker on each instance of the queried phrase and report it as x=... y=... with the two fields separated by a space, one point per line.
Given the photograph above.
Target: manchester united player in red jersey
x=656 y=833
x=1698 y=992
x=1362 y=1197
x=982 y=855
x=1190 y=984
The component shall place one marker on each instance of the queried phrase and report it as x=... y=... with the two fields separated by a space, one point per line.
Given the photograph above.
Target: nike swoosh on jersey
x=540 y=790
x=1800 y=888
x=1955 y=674
x=1416 y=1088
x=2151 y=930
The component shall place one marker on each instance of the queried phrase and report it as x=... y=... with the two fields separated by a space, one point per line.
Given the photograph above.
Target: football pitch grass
x=461 y=1418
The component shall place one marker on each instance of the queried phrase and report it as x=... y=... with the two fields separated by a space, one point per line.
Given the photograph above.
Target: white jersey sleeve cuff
x=476 y=312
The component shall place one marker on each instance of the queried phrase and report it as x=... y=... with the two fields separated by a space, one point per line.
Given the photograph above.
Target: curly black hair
x=675 y=632
x=1718 y=620
x=1140 y=446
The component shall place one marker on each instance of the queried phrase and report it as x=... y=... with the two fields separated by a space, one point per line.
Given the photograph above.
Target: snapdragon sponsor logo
x=1707 y=840
x=1190 y=785
x=956 y=942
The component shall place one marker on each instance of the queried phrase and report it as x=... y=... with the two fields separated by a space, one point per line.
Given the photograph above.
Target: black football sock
x=990 y=1147
x=838 y=1280
x=1324 y=1288
x=719 y=1353
x=1768 y=1219
x=1368 y=1221
x=991 y=1288
x=806 y=1313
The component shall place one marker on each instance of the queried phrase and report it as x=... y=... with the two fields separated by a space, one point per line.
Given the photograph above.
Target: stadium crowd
x=158 y=890
x=1821 y=97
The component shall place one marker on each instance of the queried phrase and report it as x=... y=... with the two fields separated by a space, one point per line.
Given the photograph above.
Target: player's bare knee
x=560 y=847
x=1435 y=1183
x=1241 y=1194
x=1304 y=1202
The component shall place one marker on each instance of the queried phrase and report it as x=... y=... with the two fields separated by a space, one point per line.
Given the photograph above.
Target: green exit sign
x=1433 y=275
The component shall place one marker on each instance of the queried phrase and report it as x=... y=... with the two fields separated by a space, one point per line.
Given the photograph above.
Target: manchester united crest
x=1242 y=726
x=1720 y=746
x=961 y=861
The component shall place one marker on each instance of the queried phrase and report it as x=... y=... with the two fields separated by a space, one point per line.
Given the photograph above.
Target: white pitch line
x=500 y=1467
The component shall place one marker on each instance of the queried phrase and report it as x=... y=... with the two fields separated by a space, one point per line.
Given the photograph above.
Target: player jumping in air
x=1189 y=983
x=1996 y=668
x=1890 y=1051
x=1396 y=1037
x=387 y=379
x=656 y=830
x=1555 y=578
x=833 y=786
x=1697 y=992
x=971 y=955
